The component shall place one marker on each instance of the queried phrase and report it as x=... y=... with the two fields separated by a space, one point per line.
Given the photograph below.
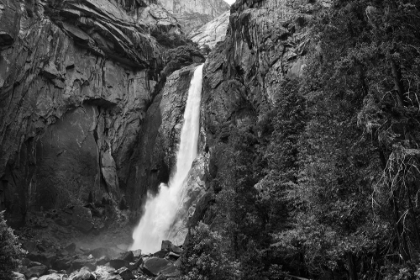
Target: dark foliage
x=9 y=250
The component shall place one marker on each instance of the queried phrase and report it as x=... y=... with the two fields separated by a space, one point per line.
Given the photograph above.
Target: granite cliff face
x=193 y=14
x=212 y=32
x=76 y=80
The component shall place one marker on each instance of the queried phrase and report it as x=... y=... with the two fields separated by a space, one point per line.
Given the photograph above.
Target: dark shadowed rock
x=102 y=261
x=154 y=266
x=169 y=247
x=83 y=262
x=125 y=273
x=135 y=265
x=70 y=248
x=35 y=271
x=62 y=263
x=127 y=256
x=44 y=258
x=117 y=263
x=82 y=219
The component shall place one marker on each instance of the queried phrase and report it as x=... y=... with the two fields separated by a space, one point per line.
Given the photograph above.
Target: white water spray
x=160 y=211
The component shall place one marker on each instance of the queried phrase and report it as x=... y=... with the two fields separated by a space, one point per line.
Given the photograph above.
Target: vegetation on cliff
x=326 y=184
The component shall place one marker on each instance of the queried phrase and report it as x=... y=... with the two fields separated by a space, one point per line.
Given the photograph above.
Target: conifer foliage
x=9 y=250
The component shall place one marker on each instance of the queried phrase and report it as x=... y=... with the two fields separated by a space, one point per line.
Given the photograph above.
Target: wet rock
x=83 y=274
x=62 y=263
x=173 y=256
x=117 y=263
x=70 y=248
x=135 y=265
x=35 y=271
x=83 y=262
x=18 y=276
x=53 y=276
x=154 y=266
x=125 y=273
x=169 y=247
x=106 y=273
x=127 y=256
x=102 y=260
x=44 y=258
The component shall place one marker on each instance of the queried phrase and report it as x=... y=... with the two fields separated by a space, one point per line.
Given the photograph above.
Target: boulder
x=44 y=258
x=83 y=274
x=173 y=256
x=18 y=276
x=169 y=247
x=125 y=273
x=35 y=271
x=53 y=276
x=117 y=263
x=106 y=273
x=154 y=266
x=84 y=262
x=127 y=256
x=62 y=263
x=102 y=260
x=70 y=248
x=135 y=265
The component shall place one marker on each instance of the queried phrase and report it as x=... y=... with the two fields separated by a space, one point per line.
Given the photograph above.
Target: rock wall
x=193 y=14
x=77 y=78
x=212 y=32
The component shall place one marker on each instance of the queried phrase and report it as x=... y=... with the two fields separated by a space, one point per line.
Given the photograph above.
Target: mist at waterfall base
x=161 y=210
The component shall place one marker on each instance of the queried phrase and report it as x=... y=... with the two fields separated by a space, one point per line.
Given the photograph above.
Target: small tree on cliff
x=9 y=250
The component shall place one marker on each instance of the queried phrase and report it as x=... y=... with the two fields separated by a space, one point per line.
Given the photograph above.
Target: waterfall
x=160 y=210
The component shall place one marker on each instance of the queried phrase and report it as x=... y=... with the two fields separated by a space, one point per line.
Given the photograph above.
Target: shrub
x=9 y=249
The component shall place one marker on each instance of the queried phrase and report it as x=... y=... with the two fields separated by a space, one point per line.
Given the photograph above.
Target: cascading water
x=160 y=210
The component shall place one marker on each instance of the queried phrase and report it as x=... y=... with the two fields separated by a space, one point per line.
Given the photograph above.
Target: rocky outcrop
x=212 y=32
x=193 y=14
x=76 y=79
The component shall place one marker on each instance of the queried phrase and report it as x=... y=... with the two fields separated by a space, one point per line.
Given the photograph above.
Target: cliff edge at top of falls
x=76 y=79
x=192 y=14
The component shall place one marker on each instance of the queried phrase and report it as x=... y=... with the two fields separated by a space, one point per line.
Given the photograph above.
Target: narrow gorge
x=196 y=139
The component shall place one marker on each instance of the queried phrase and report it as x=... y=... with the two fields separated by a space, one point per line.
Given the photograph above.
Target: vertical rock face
x=76 y=79
x=194 y=13
x=212 y=32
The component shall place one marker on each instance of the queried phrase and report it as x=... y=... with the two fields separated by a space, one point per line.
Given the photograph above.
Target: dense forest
x=326 y=184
